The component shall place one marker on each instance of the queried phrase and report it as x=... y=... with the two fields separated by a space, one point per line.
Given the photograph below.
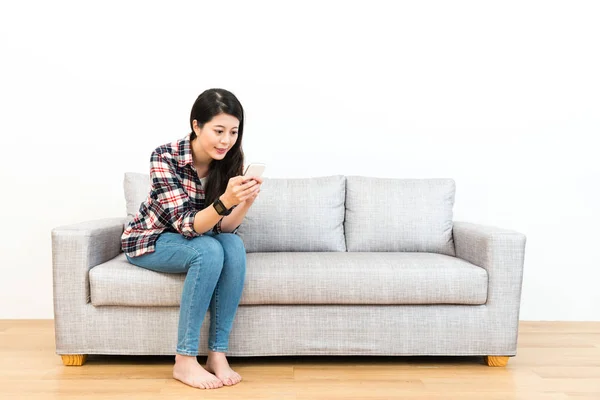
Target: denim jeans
x=216 y=269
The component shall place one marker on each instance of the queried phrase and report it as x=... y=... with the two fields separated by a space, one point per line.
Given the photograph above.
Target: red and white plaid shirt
x=176 y=195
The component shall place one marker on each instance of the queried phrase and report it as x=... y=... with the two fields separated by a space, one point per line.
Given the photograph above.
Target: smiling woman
x=217 y=123
x=188 y=223
x=213 y=141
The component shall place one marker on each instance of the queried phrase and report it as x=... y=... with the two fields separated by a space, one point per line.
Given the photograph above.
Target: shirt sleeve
x=217 y=227
x=174 y=201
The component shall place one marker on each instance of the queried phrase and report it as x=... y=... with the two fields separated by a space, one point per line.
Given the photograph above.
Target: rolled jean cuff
x=219 y=349
x=186 y=353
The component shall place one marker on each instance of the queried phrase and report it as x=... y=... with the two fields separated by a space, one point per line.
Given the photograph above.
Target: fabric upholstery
x=296 y=215
x=282 y=217
x=310 y=301
x=136 y=187
x=310 y=278
x=399 y=214
x=273 y=330
x=502 y=253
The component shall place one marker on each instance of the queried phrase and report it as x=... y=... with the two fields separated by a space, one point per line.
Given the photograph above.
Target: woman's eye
x=219 y=132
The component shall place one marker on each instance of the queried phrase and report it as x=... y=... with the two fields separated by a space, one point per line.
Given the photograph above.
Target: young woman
x=197 y=200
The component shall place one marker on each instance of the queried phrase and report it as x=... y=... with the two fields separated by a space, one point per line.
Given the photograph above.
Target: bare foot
x=189 y=371
x=216 y=363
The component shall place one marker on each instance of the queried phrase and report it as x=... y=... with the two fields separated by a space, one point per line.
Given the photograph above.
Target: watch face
x=220 y=208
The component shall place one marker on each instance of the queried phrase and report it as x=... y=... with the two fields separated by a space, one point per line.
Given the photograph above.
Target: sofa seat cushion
x=310 y=278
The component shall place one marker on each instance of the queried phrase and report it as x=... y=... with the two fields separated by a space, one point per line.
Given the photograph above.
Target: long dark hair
x=209 y=104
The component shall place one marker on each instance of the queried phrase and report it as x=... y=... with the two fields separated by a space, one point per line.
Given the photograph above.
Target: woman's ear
x=195 y=126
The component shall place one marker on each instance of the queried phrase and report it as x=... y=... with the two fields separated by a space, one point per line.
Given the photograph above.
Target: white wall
x=502 y=97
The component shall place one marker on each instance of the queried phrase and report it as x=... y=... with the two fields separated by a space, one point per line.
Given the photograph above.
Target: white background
x=503 y=97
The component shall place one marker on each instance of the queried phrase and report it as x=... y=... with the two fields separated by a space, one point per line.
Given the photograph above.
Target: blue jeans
x=216 y=269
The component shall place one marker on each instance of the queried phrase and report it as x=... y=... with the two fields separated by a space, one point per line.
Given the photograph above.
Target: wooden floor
x=555 y=360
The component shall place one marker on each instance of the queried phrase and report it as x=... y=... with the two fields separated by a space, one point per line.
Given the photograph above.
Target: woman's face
x=216 y=138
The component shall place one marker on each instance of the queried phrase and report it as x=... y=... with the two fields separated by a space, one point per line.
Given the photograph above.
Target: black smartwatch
x=220 y=207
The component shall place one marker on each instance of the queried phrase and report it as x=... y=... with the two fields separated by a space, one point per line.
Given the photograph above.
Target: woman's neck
x=200 y=158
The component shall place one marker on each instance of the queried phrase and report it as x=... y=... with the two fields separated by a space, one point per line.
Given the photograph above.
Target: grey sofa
x=336 y=265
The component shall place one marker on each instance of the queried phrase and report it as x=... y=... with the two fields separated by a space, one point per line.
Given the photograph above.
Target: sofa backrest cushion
x=137 y=188
x=412 y=215
x=297 y=215
x=288 y=214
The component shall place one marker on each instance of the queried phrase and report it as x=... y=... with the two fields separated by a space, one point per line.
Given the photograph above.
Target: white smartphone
x=255 y=169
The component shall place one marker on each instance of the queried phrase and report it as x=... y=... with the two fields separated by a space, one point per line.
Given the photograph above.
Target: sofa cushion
x=309 y=278
x=137 y=187
x=297 y=215
x=413 y=215
x=283 y=216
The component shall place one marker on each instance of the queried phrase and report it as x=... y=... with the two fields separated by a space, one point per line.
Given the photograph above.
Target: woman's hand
x=253 y=196
x=239 y=189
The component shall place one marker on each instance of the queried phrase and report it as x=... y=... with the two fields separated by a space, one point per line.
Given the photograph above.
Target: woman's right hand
x=238 y=190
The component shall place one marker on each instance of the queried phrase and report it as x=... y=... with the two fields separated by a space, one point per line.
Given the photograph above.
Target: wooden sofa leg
x=496 y=361
x=74 y=359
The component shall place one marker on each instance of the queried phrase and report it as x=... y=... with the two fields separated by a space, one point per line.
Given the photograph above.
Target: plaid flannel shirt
x=176 y=195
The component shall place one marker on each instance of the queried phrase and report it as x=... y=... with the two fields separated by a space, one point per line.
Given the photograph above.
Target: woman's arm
x=233 y=220
x=204 y=220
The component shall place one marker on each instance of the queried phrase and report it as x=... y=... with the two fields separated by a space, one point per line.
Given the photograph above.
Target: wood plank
x=583 y=396
x=559 y=327
x=552 y=339
x=567 y=372
x=581 y=385
x=556 y=356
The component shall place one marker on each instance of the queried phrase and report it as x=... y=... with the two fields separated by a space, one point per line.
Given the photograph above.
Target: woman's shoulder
x=169 y=151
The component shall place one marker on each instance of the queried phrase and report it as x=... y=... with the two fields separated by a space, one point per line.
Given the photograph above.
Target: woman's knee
x=209 y=252
x=231 y=243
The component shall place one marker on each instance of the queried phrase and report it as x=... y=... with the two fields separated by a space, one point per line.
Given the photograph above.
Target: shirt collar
x=184 y=151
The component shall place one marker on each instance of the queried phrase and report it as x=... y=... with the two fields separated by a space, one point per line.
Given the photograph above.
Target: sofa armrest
x=500 y=252
x=76 y=249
